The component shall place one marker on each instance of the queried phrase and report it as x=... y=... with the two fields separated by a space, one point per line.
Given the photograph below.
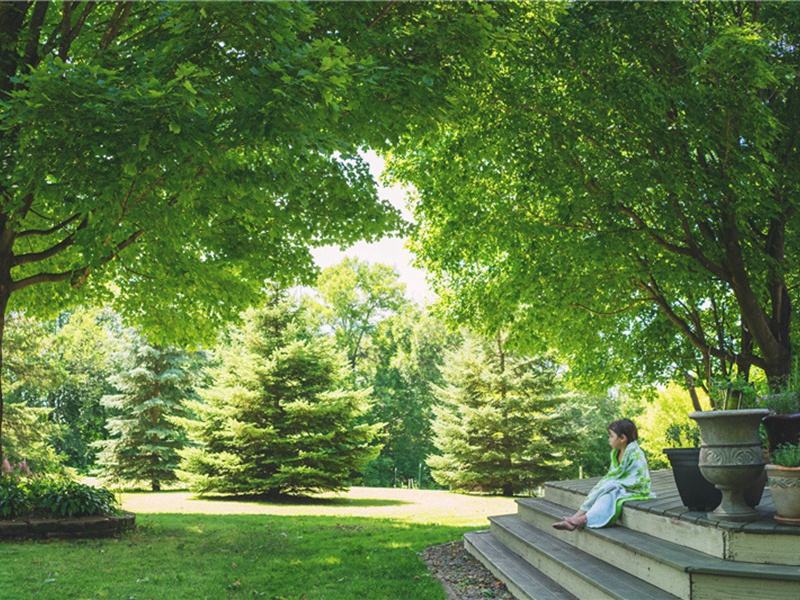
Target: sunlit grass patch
x=339 y=547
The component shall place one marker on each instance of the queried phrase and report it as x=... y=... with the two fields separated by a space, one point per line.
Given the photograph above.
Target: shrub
x=14 y=498
x=55 y=496
x=786 y=455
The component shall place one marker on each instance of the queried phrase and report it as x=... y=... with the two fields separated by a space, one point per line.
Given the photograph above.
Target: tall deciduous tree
x=625 y=188
x=356 y=296
x=279 y=417
x=403 y=367
x=62 y=365
x=145 y=432
x=192 y=150
x=500 y=425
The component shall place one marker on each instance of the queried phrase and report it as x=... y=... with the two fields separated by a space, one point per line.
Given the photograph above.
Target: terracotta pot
x=731 y=457
x=784 y=483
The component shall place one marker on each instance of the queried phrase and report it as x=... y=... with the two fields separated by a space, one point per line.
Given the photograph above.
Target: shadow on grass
x=285 y=500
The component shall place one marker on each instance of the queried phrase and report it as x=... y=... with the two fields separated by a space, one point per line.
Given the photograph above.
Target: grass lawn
x=360 y=545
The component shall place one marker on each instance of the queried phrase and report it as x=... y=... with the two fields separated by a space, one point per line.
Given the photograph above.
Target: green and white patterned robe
x=628 y=480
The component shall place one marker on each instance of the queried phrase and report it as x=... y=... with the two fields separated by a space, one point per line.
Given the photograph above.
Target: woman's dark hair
x=625 y=427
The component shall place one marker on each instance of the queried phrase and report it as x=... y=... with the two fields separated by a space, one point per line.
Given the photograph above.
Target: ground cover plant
x=52 y=497
x=363 y=544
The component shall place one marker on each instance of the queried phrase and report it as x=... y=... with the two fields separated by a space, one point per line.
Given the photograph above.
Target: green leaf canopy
x=189 y=151
x=625 y=187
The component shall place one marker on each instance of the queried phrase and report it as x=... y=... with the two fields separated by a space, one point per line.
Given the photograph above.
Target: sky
x=388 y=251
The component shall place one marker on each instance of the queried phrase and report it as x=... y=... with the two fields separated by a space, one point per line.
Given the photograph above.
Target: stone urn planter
x=731 y=457
x=784 y=483
x=696 y=492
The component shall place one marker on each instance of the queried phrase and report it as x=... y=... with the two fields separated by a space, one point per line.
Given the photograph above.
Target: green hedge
x=54 y=496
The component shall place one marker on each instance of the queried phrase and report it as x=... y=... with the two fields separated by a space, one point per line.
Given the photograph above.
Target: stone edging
x=77 y=527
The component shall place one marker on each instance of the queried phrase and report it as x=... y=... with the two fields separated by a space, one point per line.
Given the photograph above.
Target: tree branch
x=612 y=313
x=383 y=13
x=121 y=13
x=692 y=252
x=651 y=288
x=34 y=257
x=46 y=232
x=32 y=56
x=76 y=276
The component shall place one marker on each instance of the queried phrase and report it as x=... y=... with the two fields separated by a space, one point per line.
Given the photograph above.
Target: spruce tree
x=279 y=419
x=499 y=425
x=146 y=433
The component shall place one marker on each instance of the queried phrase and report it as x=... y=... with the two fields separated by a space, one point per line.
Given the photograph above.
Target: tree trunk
x=5 y=286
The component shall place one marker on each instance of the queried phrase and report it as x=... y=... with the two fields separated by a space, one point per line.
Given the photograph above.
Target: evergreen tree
x=146 y=434
x=499 y=426
x=279 y=419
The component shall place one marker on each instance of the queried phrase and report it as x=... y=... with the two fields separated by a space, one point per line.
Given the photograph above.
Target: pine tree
x=279 y=418
x=146 y=434
x=499 y=425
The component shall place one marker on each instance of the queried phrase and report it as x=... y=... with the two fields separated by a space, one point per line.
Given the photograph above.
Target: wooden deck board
x=668 y=504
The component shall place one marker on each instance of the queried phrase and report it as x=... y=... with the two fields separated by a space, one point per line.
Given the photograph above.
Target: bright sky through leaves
x=388 y=251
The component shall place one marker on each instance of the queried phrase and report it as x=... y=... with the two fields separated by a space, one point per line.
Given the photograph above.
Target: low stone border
x=77 y=527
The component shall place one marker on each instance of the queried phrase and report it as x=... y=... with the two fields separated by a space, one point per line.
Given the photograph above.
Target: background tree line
x=350 y=381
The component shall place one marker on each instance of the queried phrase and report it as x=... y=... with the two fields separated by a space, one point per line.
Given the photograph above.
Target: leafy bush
x=683 y=435
x=55 y=496
x=786 y=455
x=65 y=498
x=784 y=403
x=14 y=498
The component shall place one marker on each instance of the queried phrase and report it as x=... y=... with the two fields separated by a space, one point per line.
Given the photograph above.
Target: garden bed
x=71 y=527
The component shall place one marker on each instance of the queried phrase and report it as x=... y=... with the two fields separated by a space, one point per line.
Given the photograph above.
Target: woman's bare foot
x=564 y=525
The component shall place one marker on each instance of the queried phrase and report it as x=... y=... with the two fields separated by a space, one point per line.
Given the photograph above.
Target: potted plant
x=731 y=455
x=783 y=424
x=784 y=483
x=696 y=492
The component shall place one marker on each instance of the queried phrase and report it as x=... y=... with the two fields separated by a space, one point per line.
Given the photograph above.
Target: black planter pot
x=782 y=429
x=696 y=492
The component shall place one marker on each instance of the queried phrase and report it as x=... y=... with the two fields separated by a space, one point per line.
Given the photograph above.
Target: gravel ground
x=461 y=575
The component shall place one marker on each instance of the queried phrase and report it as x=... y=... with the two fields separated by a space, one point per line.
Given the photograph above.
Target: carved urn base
x=731 y=457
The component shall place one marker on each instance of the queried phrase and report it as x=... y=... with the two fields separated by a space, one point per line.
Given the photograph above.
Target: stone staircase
x=658 y=550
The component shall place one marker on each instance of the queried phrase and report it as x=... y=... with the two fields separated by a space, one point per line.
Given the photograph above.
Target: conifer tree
x=499 y=426
x=279 y=418
x=146 y=433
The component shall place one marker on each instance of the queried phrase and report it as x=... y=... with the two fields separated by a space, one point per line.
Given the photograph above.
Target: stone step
x=665 y=518
x=522 y=580
x=582 y=574
x=675 y=568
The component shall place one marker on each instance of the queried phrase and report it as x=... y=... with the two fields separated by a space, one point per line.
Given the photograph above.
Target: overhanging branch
x=34 y=257
x=46 y=232
x=76 y=276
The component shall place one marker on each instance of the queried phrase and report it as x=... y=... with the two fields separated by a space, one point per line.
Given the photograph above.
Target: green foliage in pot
x=683 y=435
x=783 y=403
x=787 y=455
x=787 y=400
x=732 y=394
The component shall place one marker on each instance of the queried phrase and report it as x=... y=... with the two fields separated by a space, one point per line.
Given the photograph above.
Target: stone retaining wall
x=77 y=527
